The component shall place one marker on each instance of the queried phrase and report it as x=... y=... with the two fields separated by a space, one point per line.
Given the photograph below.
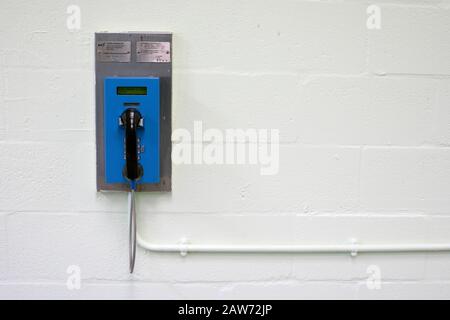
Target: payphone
x=133 y=73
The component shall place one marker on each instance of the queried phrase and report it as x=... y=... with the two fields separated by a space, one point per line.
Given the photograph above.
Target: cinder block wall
x=364 y=120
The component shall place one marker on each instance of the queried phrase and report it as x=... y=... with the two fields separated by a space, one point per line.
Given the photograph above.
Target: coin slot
x=131 y=104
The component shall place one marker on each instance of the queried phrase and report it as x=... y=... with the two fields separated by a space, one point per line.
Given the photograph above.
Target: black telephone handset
x=131 y=119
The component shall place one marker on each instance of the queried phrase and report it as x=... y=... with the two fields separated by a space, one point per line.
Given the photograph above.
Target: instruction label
x=114 y=51
x=150 y=51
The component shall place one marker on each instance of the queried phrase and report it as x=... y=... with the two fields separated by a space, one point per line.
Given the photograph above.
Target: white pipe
x=351 y=248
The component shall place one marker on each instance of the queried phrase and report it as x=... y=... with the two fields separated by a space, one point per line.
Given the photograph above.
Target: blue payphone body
x=142 y=94
x=133 y=73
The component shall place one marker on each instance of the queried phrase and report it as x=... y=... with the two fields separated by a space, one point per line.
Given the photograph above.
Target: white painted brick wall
x=364 y=119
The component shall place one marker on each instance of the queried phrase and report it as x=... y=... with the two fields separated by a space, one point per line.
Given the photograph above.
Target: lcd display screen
x=132 y=91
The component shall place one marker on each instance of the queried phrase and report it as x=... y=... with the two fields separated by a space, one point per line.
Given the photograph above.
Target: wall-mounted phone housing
x=133 y=110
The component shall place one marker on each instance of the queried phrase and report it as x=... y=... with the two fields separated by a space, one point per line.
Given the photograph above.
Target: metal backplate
x=135 y=55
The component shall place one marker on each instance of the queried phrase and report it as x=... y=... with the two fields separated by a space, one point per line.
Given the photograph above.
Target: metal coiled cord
x=132 y=228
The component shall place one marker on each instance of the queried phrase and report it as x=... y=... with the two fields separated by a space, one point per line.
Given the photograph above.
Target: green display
x=132 y=91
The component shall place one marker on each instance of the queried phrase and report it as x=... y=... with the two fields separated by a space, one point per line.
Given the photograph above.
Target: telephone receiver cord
x=132 y=226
